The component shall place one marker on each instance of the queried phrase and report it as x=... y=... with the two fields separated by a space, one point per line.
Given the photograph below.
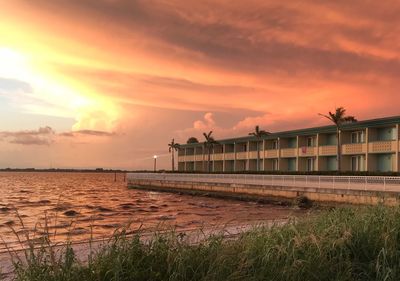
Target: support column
x=279 y=155
x=297 y=154
x=247 y=167
x=262 y=155
x=184 y=161
x=234 y=156
x=317 y=148
x=367 y=168
x=396 y=157
x=223 y=157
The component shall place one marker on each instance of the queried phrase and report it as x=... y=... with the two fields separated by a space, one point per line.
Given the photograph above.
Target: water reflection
x=80 y=205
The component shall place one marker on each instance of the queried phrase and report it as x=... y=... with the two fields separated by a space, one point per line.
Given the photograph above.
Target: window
x=357 y=137
x=310 y=164
x=310 y=142
x=275 y=165
x=275 y=144
x=357 y=163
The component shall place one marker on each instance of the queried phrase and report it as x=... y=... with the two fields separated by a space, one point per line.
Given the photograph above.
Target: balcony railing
x=368 y=183
x=307 y=151
x=253 y=154
x=354 y=148
x=328 y=150
x=289 y=152
x=230 y=156
x=241 y=155
x=382 y=146
x=272 y=153
x=217 y=157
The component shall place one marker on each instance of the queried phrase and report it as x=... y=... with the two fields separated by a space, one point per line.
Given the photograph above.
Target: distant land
x=69 y=170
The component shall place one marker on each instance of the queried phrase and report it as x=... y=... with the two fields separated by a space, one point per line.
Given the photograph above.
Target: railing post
x=384 y=184
x=333 y=182
x=319 y=181
x=348 y=184
x=365 y=184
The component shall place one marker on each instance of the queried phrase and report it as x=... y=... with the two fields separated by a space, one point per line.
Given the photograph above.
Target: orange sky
x=107 y=83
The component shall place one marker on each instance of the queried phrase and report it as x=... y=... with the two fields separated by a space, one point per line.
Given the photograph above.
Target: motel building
x=370 y=145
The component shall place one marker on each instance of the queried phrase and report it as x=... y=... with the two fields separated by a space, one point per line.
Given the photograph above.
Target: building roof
x=378 y=122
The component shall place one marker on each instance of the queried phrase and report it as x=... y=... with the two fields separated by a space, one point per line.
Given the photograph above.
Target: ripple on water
x=71 y=213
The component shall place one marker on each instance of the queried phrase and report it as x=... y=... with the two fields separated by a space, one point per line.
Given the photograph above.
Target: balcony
x=382 y=146
x=272 y=153
x=288 y=152
x=307 y=151
x=253 y=154
x=181 y=158
x=230 y=156
x=241 y=155
x=217 y=157
x=354 y=148
x=328 y=150
x=198 y=157
x=189 y=158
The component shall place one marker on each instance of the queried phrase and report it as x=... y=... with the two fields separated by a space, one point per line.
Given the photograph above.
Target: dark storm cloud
x=259 y=36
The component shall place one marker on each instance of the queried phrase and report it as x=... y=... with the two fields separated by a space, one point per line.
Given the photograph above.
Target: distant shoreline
x=67 y=170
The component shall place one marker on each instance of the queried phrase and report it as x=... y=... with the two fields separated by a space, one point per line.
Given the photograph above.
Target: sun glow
x=52 y=95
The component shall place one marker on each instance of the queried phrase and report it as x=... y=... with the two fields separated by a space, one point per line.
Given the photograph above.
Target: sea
x=83 y=206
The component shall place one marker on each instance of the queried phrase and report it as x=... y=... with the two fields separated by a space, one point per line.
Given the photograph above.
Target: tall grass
x=342 y=244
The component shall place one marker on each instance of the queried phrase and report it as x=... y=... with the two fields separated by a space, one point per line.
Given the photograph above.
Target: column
x=367 y=168
x=184 y=161
x=234 y=156
x=247 y=168
x=317 y=148
x=297 y=154
x=396 y=157
x=279 y=155
x=262 y=155
x=223 y=157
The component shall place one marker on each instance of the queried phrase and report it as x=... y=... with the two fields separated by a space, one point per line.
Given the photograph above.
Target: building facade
x=370 y=145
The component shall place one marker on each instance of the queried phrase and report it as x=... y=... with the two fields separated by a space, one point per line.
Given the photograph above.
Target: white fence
x=373 y=183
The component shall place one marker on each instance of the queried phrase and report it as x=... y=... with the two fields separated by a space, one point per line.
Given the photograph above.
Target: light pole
x=155 y=163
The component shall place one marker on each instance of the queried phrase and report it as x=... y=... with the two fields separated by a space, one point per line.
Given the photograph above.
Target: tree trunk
x=258 y=157
x=209 y=159
x=173 y=161
x=204 y=160
x=338 y=149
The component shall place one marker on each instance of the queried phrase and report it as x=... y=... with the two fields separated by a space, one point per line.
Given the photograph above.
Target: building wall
x=379 y=151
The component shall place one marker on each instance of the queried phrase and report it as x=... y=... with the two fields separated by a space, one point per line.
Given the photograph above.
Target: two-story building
x=370 y=145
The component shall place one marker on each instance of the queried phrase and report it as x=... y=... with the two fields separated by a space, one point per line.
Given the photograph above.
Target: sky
x=109 y=83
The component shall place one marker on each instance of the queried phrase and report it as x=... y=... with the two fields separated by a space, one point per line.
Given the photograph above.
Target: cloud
x=87 y=133
x=42 y=136
x=47 y=136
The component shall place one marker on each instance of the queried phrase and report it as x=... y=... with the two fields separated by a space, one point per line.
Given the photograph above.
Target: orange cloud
x=126 y=65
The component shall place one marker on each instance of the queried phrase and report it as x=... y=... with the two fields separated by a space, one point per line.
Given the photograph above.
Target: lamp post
x=155 y=163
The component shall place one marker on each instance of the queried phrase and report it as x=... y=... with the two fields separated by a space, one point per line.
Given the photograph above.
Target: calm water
x=78 y=205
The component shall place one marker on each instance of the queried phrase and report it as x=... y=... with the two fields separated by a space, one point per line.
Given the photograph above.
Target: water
x=78 y=206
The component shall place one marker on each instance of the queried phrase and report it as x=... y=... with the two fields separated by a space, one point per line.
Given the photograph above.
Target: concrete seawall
x=277 y=192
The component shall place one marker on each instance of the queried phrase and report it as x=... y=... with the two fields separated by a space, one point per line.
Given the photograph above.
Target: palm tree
x=192 y=140
x=258 y=134
x=208 y=143
x=339 y=118
x=172 y=148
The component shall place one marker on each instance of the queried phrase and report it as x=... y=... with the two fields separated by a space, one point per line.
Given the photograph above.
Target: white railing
x=367 y=183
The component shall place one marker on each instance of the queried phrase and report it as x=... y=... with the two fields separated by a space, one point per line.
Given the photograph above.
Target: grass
x=359 y=243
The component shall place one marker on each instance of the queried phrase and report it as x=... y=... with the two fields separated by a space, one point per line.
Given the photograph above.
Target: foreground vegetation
x=340 y=244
